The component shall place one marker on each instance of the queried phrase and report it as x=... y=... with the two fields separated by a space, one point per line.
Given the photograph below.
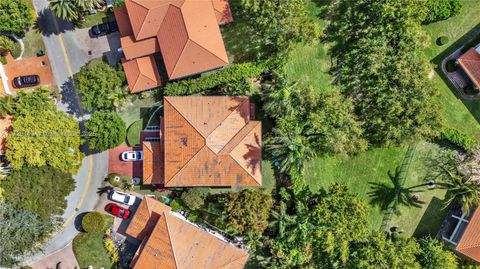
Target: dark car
x=103 y=29
x=118 y=211
x=26 y=81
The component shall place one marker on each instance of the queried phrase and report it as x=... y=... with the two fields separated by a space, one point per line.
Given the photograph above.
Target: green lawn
x=138 y=109
x=100 y=17
x=372 y=166
x=89 y=250
x=33 y=42
x=133 y=133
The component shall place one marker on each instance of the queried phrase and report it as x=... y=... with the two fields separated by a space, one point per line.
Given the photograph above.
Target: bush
x=94 y=222
x=111 y=249
x=106 y=129
x=458 y=138
x=442 y=40
x=451 y=65
x=209 y=81
x=3 y=60
x=438 y=10
x=6 y=45
x=194 y=198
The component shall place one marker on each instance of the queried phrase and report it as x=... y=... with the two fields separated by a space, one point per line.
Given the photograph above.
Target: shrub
x=194 y=198
x=3 y=60
x=441 y=10
x=6 y=44
x=458 y=138
x=442 y=40
x=94 y=222
x=111 y=249
x=209 y=81
x=176 y=204
x=451 y=65
x=107 y=130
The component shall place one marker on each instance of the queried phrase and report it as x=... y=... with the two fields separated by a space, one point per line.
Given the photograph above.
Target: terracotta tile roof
x=134 y=49
x=222 y=11
x=211 y=141
x=142 y=74
x=173 y=243
x=186 y=31
x=123 y=21
x=469 y=244
x=146 y=217
x=470 y=62
x=152 y=163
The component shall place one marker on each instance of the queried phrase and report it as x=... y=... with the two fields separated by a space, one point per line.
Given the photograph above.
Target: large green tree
x=20 y=233
x=247 y=211
x=16 y=16
x=71 y=10
x=45 y=137
x=377 y=50
x=377 y=251
x=38 y=189
x=105 y=130
x=102 y=87
x=274 y=26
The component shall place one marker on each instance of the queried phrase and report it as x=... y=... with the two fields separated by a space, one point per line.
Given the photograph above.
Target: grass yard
x=133 y=133
x=373 y=166
x=89 y=250
x=138 y=109
x=100 y=17
x=33 y=42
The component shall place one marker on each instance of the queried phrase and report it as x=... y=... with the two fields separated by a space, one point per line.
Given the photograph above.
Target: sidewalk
x=65 y=256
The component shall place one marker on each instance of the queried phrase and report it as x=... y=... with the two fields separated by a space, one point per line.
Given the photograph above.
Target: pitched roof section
x=222 y=11
x=123 y=22
x=146 y=217
x=152 y=163
x=173 y=243
x=210 y=141
x=469 y=244
x=142 y=74
x=470 y=62
x=133 y=49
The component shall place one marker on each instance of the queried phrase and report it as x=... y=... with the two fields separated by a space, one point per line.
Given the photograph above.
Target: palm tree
x=460 y=188
x=282 y=99
x=281 y=220
x=393 y=194
x=87 y=4
x=64 y=9
x=290 y=149
x=6 y=105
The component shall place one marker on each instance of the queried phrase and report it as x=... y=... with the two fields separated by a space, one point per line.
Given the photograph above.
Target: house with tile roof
x=169 y=241
x=470 y=64
x=170 y=39
x=463 y=232
x=205 y=141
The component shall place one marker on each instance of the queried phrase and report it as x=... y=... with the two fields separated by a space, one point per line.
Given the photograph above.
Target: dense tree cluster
x=441 y=10
x=16 y=16
x=105 y=130
x=43 y=135
x=378 y=60
x=102 y=87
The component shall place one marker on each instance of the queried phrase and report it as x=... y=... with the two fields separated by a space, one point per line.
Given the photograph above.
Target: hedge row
x=209 y=81
x=458 y=138
x=439 y=10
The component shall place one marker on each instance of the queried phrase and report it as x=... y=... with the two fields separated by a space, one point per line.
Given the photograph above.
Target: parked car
x=131 y=156
x=121 y=197
x=118 y=211
x=103 y=29
x=26 y=81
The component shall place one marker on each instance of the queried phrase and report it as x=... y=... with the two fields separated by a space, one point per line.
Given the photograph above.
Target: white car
x=121 y=197
x=131 y=156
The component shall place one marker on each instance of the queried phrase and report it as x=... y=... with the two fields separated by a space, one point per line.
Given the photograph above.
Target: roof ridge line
x=169 y=238
x=186 y=31
x=248 y=173
x=241 y=257
x=205 y=142
x=228 y=115
x=210 y=51
x=251 y=123
x=186 y=164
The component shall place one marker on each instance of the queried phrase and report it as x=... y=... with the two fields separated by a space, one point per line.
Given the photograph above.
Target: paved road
x=68 y=50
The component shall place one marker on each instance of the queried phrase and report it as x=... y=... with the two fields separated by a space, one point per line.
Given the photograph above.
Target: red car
x=118 y=211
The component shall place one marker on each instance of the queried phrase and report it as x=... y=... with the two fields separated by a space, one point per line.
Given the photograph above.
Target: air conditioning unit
x=477 y=48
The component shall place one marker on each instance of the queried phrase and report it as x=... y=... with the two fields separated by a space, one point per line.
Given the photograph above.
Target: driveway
x=29 y=66
x=68 y=50
x=65 y=256
x=117 y=166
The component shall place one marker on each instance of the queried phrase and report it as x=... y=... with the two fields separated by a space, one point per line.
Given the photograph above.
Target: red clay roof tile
x=142 y=74
x=470 y=62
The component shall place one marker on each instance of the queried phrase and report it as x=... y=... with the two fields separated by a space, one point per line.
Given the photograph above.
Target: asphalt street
x=69 y=49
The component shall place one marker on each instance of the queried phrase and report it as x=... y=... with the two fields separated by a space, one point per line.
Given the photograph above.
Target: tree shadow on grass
x=432 y=219
x=469 y=39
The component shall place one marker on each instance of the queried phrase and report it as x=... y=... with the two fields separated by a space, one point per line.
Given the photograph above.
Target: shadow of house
x=427 y=226
x=467 y=40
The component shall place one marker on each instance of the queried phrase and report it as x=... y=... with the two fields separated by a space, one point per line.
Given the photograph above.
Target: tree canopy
x=378 y=60
x=106 y=130
x=434 y=254
x=20 y=233
x=102 y=87
x=247 y=211
x=45 y=137
x=16 y=16
x=41 y=190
